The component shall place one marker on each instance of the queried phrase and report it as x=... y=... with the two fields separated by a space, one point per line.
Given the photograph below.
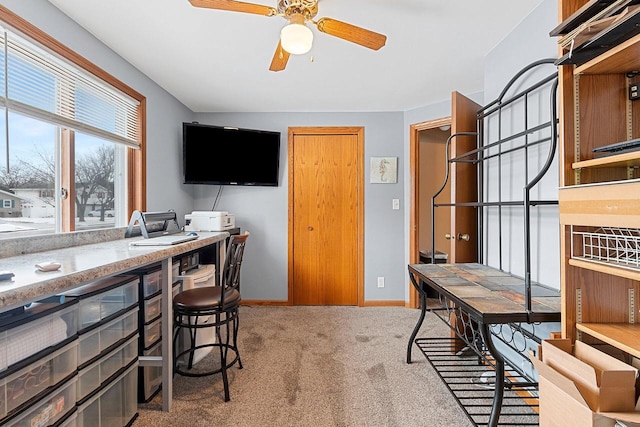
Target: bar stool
x=213 y=307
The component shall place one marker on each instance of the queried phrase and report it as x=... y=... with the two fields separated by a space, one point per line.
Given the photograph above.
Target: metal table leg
x=499 y=370
x=423 y=311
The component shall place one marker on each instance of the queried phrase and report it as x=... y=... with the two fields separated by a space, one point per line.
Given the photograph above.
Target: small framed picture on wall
x=384 y=170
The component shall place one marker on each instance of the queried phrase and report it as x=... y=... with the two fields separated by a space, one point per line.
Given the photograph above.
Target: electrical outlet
x=395 y=204
x=381 y=282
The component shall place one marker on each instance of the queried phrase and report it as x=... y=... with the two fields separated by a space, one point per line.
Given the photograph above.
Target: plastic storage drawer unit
x=114 y=405
x=99 y=372
x=16 y=388
x=104 y=298
x=100 y=339
x=37 y=328
x=49 y=409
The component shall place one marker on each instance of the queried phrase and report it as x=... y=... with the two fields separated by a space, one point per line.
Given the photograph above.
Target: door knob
x=464 y=237
x=447 y=236
x=310 y=228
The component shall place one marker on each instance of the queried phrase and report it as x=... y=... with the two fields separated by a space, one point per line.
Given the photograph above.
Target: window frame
x=136 y=158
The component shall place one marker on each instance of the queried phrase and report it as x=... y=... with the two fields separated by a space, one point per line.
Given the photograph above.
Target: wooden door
x=464 y=227
x=326 y=216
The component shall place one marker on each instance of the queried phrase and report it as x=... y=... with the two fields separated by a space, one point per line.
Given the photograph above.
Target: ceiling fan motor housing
x=306 y=8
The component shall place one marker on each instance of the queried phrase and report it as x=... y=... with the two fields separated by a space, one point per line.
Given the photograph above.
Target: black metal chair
x=218 y=305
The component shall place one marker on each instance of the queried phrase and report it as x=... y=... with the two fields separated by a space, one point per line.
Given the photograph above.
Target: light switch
x=396 y=204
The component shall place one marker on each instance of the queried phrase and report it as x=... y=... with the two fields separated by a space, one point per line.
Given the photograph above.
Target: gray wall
x=263 y=210
x=164 y=113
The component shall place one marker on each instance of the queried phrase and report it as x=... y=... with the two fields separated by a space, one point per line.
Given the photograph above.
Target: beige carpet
x=318 y=366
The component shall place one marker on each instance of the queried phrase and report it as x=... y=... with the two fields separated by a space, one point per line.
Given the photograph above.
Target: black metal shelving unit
x=487 y=328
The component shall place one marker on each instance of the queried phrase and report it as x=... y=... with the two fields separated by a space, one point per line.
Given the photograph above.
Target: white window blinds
x=39 y=84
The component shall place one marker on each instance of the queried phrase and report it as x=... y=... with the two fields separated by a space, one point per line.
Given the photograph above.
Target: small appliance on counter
x=209 y=221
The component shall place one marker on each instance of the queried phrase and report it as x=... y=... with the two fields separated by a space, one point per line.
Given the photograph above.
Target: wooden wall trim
x=414 y=191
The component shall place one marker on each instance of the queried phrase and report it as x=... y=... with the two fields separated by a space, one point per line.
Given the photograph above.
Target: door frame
x=329 y=130
x=414 y=193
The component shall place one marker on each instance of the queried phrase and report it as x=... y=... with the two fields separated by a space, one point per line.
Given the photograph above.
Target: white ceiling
x=218 y=61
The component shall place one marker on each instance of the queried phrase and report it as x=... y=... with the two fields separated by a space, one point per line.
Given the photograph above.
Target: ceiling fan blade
x=352 y=33
x=280 y=58
x=235 y=6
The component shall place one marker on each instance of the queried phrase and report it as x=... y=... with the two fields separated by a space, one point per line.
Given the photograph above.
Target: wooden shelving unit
x=600 y=196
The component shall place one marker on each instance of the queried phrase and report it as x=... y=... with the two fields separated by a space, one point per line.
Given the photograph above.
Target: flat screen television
x=230 y=156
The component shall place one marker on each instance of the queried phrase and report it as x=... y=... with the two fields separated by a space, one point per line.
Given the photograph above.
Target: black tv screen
x=229 y=156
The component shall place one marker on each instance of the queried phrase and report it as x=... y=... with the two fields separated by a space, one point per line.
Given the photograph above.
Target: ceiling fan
x=296 y=37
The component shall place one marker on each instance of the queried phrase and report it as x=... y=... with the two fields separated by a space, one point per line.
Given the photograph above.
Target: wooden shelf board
x=613 y=204
x=617 y=160
x=606 y=268
x=624 y=336
x=623 y=58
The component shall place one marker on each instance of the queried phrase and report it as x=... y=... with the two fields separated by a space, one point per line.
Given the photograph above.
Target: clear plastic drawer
x=152 y=308
x=49 y=409
x=40 y=326
x=151 y=283
x=94 y=375
x=152 y=333
x=30 y=381
x=96 y=341
x=115 y=405
x=100 y=306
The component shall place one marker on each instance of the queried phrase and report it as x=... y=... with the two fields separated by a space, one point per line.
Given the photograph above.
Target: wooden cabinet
x=600 y=196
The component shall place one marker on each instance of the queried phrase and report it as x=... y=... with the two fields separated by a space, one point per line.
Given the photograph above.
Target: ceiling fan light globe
x=296 y=39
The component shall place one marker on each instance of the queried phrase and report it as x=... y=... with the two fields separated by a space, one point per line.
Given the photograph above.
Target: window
x=7 y=203
x=71 y=136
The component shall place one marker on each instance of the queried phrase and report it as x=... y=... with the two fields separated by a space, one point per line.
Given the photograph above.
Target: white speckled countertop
x=82 y=264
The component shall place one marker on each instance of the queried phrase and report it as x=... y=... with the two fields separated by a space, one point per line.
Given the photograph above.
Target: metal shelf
x=469 y=379
x=611 y=246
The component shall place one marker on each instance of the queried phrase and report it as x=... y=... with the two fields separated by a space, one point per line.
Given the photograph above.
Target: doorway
x=326 y=216
x=456 y=226
x=427 y=154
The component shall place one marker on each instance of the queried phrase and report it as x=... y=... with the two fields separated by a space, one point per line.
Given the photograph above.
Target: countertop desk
x=85 y=263
x=473 y=297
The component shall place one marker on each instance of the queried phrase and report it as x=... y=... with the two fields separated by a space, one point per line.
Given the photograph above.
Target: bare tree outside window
x=95 y=173
x=31 y=178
